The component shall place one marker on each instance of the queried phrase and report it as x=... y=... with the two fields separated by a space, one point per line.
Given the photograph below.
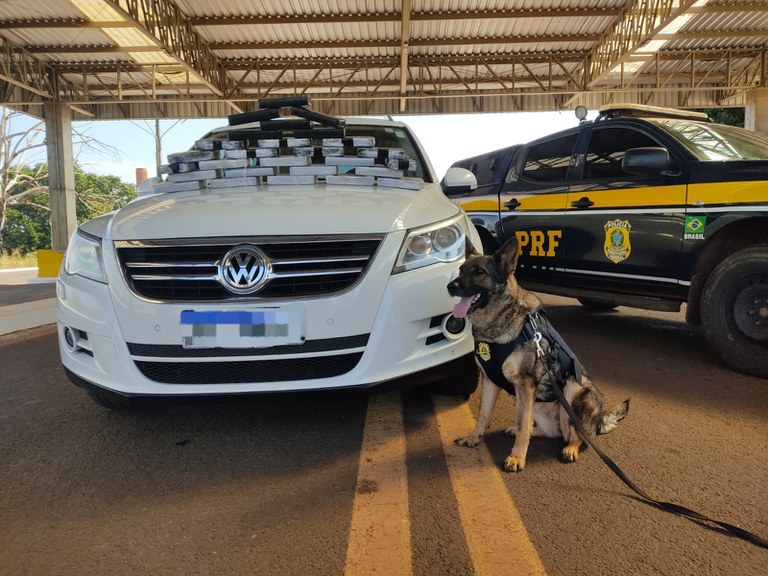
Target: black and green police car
x=644 y=207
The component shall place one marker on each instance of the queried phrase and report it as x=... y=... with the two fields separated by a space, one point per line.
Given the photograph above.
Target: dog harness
x=561 y=361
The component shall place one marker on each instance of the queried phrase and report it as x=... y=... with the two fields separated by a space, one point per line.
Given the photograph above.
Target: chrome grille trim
x=187 y=270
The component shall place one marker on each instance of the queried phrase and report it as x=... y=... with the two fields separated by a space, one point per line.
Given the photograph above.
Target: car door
x=532 y=203
x=623 y=232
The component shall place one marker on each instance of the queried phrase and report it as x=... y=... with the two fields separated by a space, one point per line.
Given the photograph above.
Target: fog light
x=69 y=338
x=453 y=327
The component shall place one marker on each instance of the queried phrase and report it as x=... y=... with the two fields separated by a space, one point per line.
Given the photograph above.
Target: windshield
x=391 y=143
x=394 y=138
x=716 y=142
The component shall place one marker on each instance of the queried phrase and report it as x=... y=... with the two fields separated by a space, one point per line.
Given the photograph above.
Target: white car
x=244 y=284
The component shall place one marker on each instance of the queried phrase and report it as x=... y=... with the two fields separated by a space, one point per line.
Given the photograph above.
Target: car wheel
x=463 y=383
x=596 y=305
x=734 y=311
x=112 y=401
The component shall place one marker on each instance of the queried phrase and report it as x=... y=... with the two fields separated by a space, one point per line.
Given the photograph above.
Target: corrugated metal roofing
x=369 y=56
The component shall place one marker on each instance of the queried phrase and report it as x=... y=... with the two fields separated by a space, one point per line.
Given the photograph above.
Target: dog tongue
x=461 y=309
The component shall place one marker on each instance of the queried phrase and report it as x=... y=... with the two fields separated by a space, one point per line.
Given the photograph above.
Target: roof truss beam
x=247 y=20
x=43 y=23
x=388 y=43
x=403 y=43
x=405 y=37
x=470 y=77
x=20 y=69
x=163 y=23
x=639 y=23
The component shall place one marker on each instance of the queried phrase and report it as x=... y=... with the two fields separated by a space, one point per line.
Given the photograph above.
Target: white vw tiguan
x=282 y=254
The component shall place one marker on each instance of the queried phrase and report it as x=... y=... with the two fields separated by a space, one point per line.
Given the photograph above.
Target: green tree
x=730 y=116
x=24 y=201
x=28 y=224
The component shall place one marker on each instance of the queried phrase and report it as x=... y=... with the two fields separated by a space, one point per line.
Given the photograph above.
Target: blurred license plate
x=240 y=329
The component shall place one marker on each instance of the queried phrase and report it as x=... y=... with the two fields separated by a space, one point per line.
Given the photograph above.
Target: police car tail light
x=441 y=242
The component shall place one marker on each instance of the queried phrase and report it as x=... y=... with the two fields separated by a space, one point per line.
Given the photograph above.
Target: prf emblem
x=484 y=351
x=617 y=246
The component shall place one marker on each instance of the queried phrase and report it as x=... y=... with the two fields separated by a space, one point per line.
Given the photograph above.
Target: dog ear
x=469 y=249
x=507 y=255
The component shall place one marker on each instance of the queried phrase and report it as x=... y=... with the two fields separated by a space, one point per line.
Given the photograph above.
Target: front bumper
x=386 y=328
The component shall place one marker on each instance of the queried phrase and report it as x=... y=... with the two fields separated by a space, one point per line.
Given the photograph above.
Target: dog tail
x=610 y=419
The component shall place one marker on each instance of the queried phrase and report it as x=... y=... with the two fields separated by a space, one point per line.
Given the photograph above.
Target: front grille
x=249 y=371
x=188 y=270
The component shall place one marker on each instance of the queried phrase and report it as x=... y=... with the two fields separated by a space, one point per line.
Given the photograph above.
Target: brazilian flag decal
x=694 y=227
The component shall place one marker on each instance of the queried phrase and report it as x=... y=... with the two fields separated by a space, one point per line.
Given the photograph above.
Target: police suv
x=278 y=254
x=644 y=207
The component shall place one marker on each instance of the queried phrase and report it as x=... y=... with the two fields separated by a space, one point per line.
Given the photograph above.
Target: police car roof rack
x=626 y=110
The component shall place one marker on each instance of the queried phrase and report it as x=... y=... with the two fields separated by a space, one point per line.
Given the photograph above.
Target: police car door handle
x=512 y=204
x=582 y=203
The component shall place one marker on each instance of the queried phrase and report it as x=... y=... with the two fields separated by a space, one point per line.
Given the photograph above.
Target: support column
x=61 y=173
x=756 y=110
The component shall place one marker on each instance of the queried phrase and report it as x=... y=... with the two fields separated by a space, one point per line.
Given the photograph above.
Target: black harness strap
x=491 y=355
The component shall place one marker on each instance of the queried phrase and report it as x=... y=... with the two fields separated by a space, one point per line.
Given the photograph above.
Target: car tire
x=463 y=383
x=734 y=311
x=596 y=305
x=111 y=400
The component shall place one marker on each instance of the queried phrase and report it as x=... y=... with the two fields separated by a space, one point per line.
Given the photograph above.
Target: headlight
x=441 y=242
x=84 y=257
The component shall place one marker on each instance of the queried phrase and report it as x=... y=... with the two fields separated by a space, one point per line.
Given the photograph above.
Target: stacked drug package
x=274 y=150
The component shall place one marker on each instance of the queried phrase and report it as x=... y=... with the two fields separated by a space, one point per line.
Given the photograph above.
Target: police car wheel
x=596 y=305
x=734 y=310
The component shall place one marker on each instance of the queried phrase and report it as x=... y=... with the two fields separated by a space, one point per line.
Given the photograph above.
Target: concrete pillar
x=756 y=110
x=61 y=173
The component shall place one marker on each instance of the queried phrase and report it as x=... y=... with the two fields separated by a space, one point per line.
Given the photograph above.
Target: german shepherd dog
x=497 y=308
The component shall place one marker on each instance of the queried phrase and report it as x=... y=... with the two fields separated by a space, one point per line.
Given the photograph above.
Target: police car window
x=549 y=161
x=607 y=147
x=715 y=142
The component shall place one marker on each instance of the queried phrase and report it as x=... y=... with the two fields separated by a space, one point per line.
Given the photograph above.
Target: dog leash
x=666 y=506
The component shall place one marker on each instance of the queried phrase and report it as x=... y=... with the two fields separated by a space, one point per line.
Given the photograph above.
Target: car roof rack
x=641 y=111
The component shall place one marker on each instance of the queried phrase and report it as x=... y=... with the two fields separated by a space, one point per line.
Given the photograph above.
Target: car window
x=606 y=150
x=716 y=142
x=548 y=161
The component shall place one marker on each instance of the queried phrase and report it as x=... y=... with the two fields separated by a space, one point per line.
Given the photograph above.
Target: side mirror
x=645 y=161
x=458 y=182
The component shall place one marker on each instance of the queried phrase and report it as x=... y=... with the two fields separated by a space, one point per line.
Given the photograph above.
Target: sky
x=446 y=138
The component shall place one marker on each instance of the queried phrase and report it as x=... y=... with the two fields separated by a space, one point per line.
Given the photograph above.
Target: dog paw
x=470 y=441
x=570 y=454
x=511 y=431
x=514 y=464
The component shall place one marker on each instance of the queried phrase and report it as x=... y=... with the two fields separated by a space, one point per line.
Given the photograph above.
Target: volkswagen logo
x=244 y=269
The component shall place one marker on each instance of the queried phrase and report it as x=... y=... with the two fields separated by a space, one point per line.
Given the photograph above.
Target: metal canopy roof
x=200 y=58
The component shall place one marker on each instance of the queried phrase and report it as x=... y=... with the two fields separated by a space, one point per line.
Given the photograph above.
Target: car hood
x=273 y=210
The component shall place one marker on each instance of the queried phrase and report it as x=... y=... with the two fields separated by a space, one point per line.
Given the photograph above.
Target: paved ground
x=273 y=484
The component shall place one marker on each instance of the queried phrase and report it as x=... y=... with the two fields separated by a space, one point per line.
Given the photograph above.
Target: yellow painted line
x=380 y=535
x=496 y=536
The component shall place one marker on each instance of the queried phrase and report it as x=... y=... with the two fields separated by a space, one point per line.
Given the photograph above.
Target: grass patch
x=16 y=259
